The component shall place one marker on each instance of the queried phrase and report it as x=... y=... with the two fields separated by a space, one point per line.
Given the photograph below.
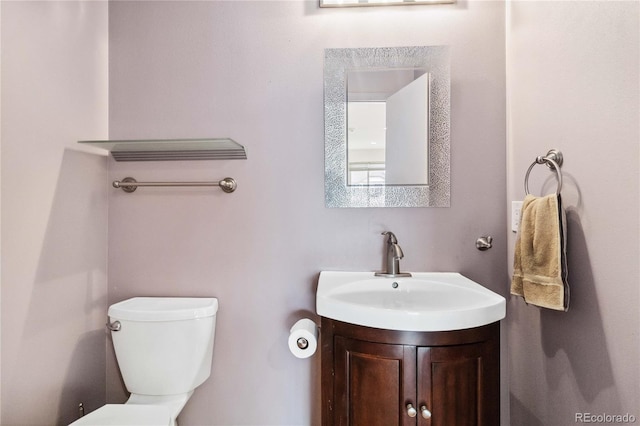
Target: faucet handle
x=392 y=238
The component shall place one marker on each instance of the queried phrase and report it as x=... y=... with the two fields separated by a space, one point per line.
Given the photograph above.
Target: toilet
x=164 y=348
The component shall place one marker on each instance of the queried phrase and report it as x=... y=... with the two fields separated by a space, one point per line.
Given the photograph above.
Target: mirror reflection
x=388 y=127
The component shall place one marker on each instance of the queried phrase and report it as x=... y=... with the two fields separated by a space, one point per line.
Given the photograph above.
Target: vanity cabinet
x=384 y=377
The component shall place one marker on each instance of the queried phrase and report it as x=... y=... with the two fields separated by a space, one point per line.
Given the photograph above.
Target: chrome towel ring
x=553 y=160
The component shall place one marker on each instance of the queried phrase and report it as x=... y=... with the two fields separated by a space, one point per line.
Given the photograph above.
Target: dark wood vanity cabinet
x=370 y=376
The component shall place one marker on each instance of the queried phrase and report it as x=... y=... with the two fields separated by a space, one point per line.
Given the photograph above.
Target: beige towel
x=539 y=266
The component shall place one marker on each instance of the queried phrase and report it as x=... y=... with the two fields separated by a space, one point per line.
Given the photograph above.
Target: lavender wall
x=574 y=85
x=252 y=70
x=54 y=210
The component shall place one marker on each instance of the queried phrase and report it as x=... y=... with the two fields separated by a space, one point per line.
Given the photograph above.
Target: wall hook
x=484 y=243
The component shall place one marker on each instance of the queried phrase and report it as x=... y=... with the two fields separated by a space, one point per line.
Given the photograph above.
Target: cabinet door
x=458 y=386
x=373 y=383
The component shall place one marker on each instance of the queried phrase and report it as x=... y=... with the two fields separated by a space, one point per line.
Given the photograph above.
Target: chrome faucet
x=394 y=254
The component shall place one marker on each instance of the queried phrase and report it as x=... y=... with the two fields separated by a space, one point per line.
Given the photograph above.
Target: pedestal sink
x=426 y=301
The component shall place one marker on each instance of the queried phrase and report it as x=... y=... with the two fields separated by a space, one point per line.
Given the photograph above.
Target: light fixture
x=352 y=3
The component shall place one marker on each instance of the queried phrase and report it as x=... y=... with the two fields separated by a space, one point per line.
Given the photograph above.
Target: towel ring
x=553 y=160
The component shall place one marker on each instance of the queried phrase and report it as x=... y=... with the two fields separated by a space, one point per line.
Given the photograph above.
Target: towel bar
x=129 y=184
x=553 y=160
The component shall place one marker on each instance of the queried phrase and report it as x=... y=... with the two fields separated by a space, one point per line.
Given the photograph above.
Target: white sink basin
x=427 y=301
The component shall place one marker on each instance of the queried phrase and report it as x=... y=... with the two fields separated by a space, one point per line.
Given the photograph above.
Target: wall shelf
x=172 y=149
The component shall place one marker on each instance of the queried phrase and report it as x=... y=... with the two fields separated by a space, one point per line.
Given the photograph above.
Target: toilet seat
x=126 y=415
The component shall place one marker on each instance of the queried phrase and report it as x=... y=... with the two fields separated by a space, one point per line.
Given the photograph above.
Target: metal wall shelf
x=172 y=149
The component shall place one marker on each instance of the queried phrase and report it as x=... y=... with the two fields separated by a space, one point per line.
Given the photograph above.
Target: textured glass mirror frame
x=435 y=59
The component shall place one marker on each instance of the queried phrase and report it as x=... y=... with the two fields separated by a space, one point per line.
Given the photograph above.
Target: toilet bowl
x=127 y=415
x=164 y=349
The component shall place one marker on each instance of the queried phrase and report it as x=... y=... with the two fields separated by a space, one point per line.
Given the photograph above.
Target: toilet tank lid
x=164 y=308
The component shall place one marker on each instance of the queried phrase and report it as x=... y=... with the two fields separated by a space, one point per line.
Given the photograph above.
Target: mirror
x=387 y=127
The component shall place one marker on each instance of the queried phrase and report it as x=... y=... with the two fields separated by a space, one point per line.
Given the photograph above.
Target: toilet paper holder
x=302 y=343
x=303 y=338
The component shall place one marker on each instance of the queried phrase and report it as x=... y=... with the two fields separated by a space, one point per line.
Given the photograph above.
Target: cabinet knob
x=411 y=412
x=425 y=413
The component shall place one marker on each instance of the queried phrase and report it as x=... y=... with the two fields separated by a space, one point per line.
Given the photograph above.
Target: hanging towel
x=540 y=261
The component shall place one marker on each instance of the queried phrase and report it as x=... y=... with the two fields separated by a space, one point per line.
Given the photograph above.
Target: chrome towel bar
x=553 y=160
x=129 y=184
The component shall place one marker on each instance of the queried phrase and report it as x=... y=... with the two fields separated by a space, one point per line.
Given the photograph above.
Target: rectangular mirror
x=387 y=127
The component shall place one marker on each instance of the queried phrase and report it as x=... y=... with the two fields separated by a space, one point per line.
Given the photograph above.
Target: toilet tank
x=165 y=344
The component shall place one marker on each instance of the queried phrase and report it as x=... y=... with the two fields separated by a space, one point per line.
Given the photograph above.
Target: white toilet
x=164 y=348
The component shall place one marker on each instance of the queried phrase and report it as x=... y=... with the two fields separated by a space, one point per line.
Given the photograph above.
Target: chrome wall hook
x=484 y=243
